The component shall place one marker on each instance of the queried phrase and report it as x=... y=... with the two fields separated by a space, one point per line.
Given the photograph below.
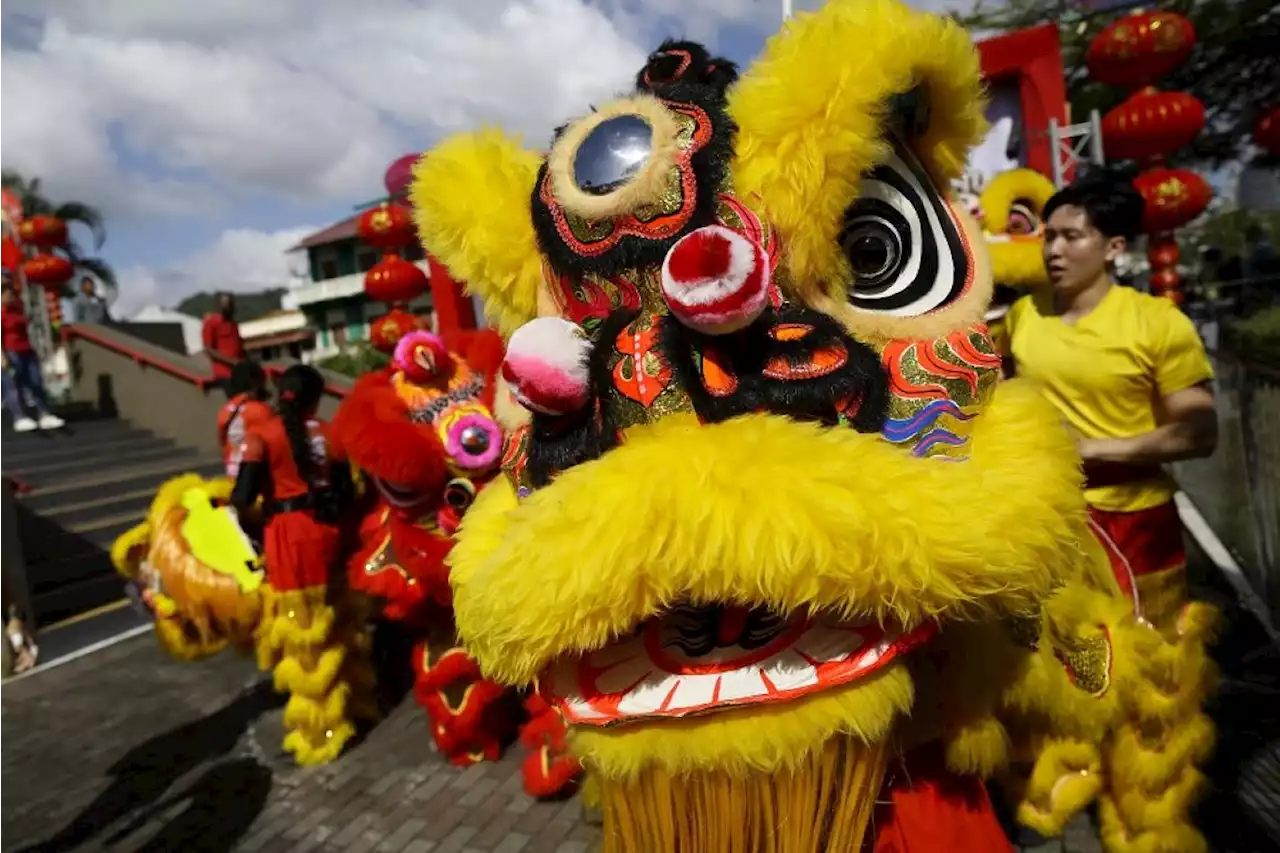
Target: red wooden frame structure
x=1032 y=57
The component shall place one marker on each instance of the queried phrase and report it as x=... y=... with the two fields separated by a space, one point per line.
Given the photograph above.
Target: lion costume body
x=423 y=435
x=795 y=565
x=192 y=563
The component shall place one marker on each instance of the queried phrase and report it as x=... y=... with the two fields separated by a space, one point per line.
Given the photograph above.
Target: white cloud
x=240 y=260
x=308 y=100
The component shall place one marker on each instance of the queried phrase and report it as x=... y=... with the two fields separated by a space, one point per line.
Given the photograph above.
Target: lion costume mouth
x=699 y=660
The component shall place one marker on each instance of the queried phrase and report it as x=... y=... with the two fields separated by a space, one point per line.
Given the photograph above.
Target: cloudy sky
x=214 y=134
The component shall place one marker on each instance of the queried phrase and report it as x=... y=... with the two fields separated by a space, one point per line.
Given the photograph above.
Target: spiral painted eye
x=458 y=494
x=613 y=153
x=873 y=243
x=903 y=243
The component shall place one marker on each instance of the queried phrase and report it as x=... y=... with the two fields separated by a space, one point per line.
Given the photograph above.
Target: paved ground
x=128 y=750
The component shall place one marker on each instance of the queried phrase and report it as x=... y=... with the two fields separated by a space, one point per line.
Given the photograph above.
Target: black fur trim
x=710 y=168
x=558 y=442
x=686 y=62
x=746 y=354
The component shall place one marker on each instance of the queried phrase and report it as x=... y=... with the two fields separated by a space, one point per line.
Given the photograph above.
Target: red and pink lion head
x=423 y=433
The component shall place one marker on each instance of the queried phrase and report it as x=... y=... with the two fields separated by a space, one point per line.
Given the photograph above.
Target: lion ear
x=471 y=197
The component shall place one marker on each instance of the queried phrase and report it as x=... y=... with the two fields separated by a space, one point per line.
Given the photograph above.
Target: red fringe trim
x=478 y=727
x=548 y=770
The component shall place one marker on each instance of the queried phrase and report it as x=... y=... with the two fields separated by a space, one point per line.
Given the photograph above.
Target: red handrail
x=201 y=382
x=89 y=334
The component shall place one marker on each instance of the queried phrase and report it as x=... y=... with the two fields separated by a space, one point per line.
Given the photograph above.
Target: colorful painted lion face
x=768 y=454
x=423 y=431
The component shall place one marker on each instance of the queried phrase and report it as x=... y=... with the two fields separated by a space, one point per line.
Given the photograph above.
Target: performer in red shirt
x=221 y=336
x=288 y=461
x=24 y=384
x=243 y=413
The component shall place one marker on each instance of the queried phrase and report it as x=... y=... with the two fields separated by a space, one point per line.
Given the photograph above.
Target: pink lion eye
x=546 y=366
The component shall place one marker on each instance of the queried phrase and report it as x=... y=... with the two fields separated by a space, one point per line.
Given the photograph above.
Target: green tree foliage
x=249 y=306
x=1234 y=70
x=356 y=360
x=34 y=202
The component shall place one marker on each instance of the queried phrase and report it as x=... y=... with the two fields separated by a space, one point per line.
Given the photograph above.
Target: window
x=365 y=259
x=413 y=252
x=328 y=269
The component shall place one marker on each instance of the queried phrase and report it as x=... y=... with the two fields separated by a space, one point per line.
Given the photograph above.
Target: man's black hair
x=246 y=375
x=1113 y=206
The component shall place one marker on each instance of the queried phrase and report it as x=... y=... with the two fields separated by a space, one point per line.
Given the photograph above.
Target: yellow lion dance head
x=191 y=569
x=774 y=519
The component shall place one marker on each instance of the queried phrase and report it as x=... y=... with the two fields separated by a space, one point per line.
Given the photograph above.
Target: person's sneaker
x=24 y=425
x=51 y=422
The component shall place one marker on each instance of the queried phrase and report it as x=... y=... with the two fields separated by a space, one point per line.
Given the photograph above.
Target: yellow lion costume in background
x=796 y=566
x=202 y=580
x=1012 y=208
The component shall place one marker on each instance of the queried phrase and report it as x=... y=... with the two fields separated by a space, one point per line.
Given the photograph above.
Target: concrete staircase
x=88 y=484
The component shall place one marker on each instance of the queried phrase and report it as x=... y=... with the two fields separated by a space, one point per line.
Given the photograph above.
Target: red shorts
x=1141 y=543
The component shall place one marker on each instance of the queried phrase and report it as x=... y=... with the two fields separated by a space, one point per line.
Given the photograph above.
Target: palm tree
x=34 y=202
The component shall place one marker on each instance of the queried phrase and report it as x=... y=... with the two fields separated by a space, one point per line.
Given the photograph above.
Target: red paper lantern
x=48 y=270
x=1139 y=49
x=46 y=232
x=399 y=175
x=1266 y=133
x=12 y=255
x=1173 y=198
x=1151 y=124
x=1165 y=279
x=386 y=331
x=387 y=226
x=393 y=279
x=1162 y=251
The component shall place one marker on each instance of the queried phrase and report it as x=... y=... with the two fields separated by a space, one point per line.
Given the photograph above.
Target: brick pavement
x=128 y=750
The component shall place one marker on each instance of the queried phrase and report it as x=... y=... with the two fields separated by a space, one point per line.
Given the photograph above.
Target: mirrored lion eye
x=612 y=153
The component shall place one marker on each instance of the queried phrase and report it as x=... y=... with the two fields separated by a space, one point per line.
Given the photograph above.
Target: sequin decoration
x=936 y=388
x=515 y=461
x=641 y=374
x=1024 y=630
x=588 y=299
x=661 y=219
x=1087 y=662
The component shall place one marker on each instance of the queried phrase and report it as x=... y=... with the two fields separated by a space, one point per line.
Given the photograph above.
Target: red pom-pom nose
x=715 y=280
x=546 y=366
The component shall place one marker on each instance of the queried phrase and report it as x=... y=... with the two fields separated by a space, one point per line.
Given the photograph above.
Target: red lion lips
x=697 y=660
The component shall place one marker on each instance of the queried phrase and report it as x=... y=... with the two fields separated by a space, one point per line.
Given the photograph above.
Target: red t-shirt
x=222 y=336
x=14 y=337
x=237 y=418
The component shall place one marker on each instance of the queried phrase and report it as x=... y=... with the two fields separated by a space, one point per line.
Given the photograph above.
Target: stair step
x=56 y=451
x=76 y=512
x=50 y=575
x=72 y=466
x=44 y=540
x=127 y=481
x=69 y=636
x=86 y=432
x=72 y=599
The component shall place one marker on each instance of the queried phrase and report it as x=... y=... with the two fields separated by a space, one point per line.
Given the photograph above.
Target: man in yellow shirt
x=1129 y=373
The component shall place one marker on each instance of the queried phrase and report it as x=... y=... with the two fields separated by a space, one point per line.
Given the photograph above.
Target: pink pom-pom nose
x=421 y=356
x=546 y=366
x=715 y=280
